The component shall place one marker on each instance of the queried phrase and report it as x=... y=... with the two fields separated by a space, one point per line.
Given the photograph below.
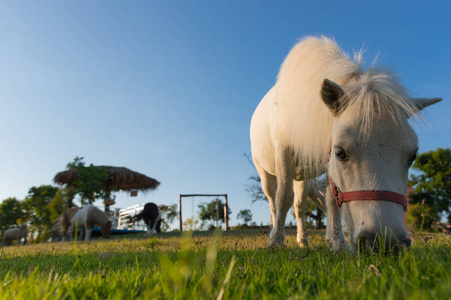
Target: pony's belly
x=77 y=222
x=264 y=159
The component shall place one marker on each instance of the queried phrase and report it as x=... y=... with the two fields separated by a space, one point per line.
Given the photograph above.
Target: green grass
x=235 y=265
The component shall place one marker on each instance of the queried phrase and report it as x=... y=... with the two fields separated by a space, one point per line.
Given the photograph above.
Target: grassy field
x=229 y=265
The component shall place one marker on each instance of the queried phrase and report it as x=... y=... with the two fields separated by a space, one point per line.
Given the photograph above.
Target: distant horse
x=14 y=234
x=85 y=217
x=325 y=114
x=151 y=216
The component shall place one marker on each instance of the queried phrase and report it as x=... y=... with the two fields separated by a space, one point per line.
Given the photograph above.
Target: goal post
x=226 y=210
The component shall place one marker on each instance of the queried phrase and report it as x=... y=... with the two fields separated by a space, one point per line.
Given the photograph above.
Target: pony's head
x=158 y=227
x=373 y=147
x=136 y=218
x=23 y=229
x=105 y=230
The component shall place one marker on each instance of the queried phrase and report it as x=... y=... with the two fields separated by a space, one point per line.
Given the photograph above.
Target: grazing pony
x=327 y=115
x=63 y=224
x=85 y=217
x=14 y=234
x=151 y=216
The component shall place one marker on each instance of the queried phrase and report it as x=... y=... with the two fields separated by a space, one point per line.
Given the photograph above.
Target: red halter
x=341 y=197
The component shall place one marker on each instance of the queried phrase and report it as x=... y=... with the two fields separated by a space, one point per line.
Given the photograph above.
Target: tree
x=68 y=195
x=318 y=216
x=90 y=181
x=168 y=214
x=245 y=215
x=213 y=212
x=422 y=216
x=254 y=186
x=190 y=224
x=36 y=205
x=432 y=180
x=11 y=213
x=59 y=203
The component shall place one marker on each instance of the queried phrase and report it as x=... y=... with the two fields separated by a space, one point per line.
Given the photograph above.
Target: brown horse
x=86 y=217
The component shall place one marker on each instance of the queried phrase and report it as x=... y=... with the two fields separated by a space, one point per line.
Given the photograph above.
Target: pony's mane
x=377 y=92
x=372 y=93
x=63 y=221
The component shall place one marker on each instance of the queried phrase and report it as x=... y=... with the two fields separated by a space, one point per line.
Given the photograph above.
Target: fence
x=121 y=217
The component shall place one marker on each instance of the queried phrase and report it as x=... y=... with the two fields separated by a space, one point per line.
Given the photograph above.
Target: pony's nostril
x=405 y=241
x=365 y=244
x=365 y=241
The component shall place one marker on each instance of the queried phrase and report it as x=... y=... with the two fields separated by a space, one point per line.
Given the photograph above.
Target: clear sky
x=168 y=88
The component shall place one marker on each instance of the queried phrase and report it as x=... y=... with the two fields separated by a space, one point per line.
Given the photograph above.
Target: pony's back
x=96 y=216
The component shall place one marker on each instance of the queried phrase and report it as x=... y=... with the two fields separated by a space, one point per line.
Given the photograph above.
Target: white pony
x=324 y=103
x=87 y=217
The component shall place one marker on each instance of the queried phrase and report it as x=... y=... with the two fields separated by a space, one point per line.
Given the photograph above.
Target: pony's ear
x=331 y=93
x=421 y=103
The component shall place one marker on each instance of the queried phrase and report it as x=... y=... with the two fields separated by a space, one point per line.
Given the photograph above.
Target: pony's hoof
x=275 y=246
x=276 y=240
x=303 y=242
x=337 y=245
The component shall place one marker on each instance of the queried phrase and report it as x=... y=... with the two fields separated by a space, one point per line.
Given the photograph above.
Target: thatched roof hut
x=122 y=178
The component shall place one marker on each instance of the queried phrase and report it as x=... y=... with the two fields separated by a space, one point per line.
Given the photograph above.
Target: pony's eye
x=412 y=158
x=340 y=154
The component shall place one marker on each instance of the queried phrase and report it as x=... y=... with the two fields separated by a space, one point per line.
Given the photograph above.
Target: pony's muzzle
x=370 y=241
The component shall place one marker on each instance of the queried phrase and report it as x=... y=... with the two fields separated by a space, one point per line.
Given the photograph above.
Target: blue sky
x=168 y=88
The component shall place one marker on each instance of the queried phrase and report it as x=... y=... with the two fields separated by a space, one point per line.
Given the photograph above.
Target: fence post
x=226 y=210
x=134 y=215
x=115 y=217
x=180 y=212
x=217 y=212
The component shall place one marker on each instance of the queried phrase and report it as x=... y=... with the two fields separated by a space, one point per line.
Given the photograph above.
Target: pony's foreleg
x=88 y=232
x=299 y=207
x=69 y=233
x=269 y=187
x=72 y=230
x=154 y=225
x=334 y=234
x=272 y=211
x=284 y=198
x=151 y=225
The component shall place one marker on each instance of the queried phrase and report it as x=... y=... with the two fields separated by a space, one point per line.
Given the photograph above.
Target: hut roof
x=120 y=177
